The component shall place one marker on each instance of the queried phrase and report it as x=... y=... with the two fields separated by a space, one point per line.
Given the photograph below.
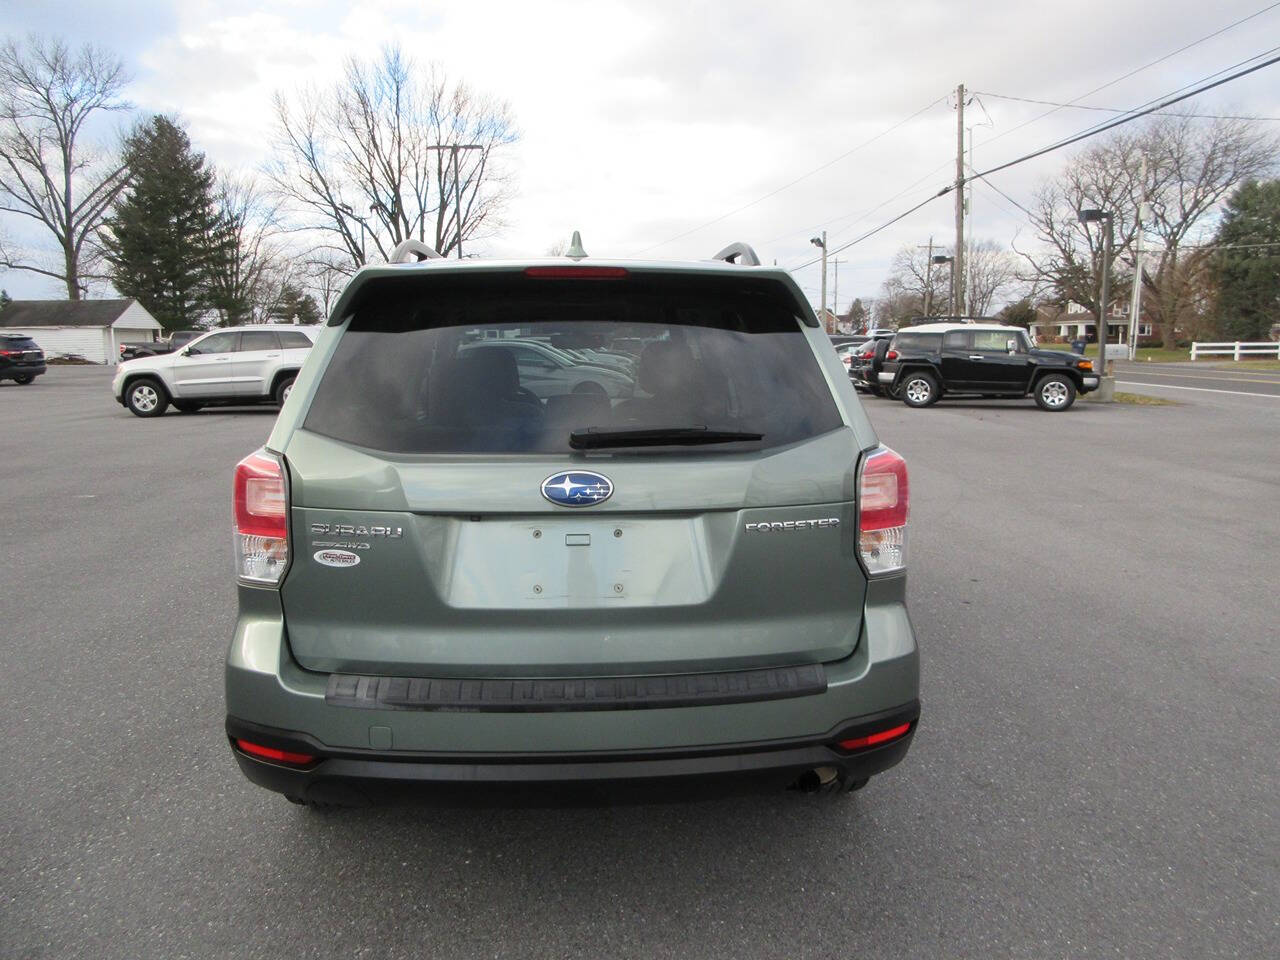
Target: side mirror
x=1011 y=346
x=188 y=351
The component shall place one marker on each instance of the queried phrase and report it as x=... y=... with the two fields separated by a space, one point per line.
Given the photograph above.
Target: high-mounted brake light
x=577 y=273
x=261 y=507
x=875 y=739
x=883 y=498
x=274 y=755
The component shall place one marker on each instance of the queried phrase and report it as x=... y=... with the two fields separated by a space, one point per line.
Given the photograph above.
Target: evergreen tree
x=163 y=237
x=294 y=305
x=5 y=299
x=1248 y=268
x=1021 y=313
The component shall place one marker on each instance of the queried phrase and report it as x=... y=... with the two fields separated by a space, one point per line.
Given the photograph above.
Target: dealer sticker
x=336 y=558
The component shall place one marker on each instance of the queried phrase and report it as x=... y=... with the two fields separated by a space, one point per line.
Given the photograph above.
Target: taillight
x=577 y=273
x=875 y=739
x=891 y=355
x=274 y=755
x=262 y=535
x=883 y=497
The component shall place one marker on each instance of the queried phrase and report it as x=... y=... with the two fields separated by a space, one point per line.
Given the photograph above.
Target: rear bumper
x=365 y=776
x=15 y=370
x=368 y=746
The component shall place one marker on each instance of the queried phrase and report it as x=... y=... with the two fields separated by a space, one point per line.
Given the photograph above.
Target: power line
x=1137 y=70
x=1056 y=107
x=884 y=226
x=802 y=177
x=1119 y=121
x=1081 y=106
x=1090 y=132
x=994 y=189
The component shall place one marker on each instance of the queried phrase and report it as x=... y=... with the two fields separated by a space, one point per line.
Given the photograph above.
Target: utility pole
x=1135 y=299
x=928 y=276
x=453 y=149
x=835 y=295
x=957 y=305
x=968 y=211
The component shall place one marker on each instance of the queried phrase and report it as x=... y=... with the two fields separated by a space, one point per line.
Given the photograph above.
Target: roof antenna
x=575 y=247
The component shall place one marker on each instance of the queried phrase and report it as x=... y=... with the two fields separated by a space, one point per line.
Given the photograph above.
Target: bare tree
x=1068 y=257
x=911 y=274
x=324 y=274
x=47 y=174
x=249 y=248
x=1192 y=165
x=360 y=164
x=992 y=271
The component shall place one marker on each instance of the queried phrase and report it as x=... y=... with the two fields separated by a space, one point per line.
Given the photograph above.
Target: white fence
x=1235 y=350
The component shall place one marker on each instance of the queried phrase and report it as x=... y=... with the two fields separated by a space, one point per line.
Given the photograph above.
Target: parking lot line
x=1207 y=376
x=1170 y=386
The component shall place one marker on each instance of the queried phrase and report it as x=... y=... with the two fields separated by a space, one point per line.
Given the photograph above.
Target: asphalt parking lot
x=1096 y=772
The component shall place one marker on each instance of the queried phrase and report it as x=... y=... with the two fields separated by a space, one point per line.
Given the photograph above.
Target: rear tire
x=918 y=389
x=23 y=380
x=282 y=390
x=146 y=398
x=1055 y=392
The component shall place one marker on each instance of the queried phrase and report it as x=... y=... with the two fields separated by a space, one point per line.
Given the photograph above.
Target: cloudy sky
x=643 y=121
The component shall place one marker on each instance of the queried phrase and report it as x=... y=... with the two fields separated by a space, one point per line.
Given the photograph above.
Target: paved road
x=1096 y=774
x=1198 y=378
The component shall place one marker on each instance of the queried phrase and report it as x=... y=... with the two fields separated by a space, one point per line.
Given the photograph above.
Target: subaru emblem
x=577 y=488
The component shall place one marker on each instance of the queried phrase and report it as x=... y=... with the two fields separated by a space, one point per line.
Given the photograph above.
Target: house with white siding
x=93 y=329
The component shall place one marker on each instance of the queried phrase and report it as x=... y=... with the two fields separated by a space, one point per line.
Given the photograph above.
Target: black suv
x=933 y=360
x=21 y=358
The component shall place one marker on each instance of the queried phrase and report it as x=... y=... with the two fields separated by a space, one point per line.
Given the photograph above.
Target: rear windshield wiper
x=595 y=438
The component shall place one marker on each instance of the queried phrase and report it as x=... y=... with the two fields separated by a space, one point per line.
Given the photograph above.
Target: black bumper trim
x=573 y=694
x=350 y=776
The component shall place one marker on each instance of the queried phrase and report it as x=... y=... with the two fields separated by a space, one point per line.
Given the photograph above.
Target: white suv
x=252 y=364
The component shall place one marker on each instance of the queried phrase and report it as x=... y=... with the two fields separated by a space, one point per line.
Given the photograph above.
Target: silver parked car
x=232 y=365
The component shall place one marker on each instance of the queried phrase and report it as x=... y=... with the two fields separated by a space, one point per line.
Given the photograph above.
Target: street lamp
x=951 y=296
x=822 y=242
x=1093 y=216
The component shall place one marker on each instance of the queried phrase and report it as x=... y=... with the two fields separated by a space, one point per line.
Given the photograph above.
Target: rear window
x=504 y=363
x=292 y=339
x=12 y=342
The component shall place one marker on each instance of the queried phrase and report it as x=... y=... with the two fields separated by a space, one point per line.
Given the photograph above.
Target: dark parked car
x=21 y=358
x=925 y=363
x=868 y=361
x=154 y=348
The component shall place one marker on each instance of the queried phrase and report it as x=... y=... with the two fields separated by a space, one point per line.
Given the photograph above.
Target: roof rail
x=411 y=250
x=733 y=251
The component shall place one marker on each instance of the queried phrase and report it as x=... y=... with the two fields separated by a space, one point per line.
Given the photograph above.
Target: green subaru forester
x=566 y=522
